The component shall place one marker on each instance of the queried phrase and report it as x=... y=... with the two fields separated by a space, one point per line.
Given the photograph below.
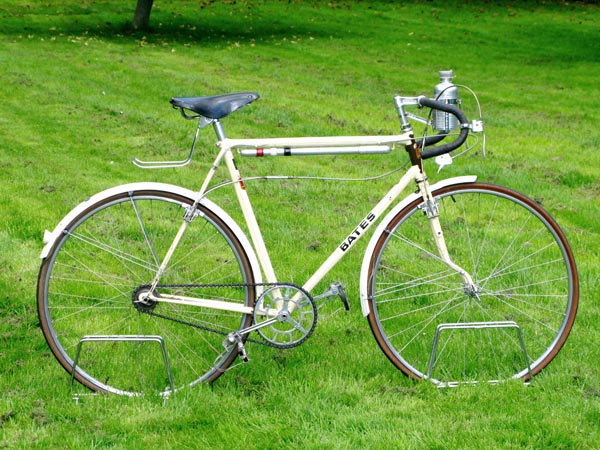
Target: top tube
x=316 y=145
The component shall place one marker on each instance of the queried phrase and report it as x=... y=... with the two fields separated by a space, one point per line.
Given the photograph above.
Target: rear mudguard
x=364 y=282
x=50 y=238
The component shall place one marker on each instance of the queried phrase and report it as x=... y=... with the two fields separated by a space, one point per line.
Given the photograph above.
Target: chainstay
x=216 y=285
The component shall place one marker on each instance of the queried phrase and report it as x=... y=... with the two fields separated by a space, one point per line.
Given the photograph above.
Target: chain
x=224 y=285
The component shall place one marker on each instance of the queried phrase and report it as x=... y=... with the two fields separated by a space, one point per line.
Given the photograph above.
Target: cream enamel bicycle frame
x=302 y=146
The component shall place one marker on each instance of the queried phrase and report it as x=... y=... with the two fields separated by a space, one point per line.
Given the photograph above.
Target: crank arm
x=235 y=338
x=254 y=327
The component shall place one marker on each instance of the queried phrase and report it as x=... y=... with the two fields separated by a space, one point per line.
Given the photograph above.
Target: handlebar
x=445 y=148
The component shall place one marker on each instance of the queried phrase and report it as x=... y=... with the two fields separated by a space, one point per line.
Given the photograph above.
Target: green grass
x=81 y=96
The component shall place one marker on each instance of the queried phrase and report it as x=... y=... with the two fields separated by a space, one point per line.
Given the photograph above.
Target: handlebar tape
x=455 y=111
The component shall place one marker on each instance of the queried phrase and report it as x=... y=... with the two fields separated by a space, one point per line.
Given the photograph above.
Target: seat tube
x=249 y=216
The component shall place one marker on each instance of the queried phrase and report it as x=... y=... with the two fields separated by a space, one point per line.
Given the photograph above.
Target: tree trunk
x=141 y=19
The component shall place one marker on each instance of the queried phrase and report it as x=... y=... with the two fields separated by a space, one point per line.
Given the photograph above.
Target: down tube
x=360 y=230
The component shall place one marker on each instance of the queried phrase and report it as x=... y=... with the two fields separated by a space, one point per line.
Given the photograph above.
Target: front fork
x=431 y=209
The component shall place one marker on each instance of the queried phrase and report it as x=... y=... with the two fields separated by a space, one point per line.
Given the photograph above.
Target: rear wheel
x=93 y=280
x=525 y=276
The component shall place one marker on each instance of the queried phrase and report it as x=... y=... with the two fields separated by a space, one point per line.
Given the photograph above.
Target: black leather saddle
x=217 y=106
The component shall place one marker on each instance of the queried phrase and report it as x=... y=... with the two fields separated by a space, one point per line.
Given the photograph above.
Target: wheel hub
x=472 y=290
x=141 y=299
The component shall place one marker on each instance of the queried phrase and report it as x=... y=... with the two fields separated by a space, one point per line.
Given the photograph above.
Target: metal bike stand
x=475 y=325
x=125 y=338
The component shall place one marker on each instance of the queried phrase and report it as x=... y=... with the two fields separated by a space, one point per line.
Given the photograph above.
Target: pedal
x=236 y=339
x=339 y=289
x=242 y=352
x=333 y=290
x=342 y=293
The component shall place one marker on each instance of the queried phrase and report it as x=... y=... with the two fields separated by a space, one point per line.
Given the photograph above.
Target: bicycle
x=151 y=286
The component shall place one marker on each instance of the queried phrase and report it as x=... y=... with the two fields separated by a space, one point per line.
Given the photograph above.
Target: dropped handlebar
x=464 y=127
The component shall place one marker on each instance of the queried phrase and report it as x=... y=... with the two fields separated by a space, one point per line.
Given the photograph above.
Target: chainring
x=294 y=311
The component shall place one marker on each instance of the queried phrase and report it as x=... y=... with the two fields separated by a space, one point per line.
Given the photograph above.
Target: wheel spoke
x=524 y=274
x=89 y=286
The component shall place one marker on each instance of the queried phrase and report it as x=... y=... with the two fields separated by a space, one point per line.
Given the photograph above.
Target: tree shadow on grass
x=169 y=25
x=192 y=23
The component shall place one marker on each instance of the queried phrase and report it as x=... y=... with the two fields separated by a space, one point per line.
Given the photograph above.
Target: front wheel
x=524 y=273
x=92 y=290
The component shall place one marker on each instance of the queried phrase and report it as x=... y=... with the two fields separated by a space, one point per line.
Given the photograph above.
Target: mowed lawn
x=81 y=95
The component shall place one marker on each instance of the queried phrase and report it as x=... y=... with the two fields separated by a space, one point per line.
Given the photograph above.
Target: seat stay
x=188 y=218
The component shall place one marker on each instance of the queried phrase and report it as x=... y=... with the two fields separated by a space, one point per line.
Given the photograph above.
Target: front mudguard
x=383 y=224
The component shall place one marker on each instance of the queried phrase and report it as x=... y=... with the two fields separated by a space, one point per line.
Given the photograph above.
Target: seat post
x=218 y=127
